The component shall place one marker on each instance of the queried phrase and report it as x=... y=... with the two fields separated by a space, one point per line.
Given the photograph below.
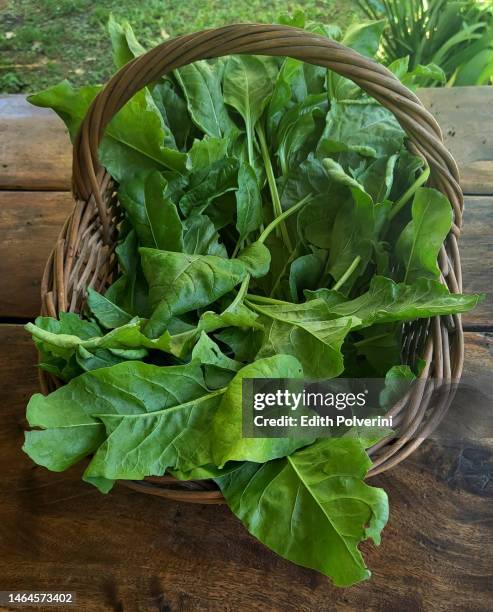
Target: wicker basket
x=84 y=253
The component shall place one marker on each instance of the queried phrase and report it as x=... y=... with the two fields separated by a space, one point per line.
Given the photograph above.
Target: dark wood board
x=125 y=551
x=30 y=222
x=35 y=150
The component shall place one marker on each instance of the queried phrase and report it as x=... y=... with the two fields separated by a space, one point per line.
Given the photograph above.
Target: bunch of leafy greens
x=275 y=226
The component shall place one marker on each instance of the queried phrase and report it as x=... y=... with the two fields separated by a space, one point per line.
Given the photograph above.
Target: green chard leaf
x=201 y=87
x=229 y=443
x=218 y=368
x=124 y=403
x=354 y=230
x=179 y=283
x=388 y=302
x=305 y=273
x=108 y=314
x=365 y=128
x=123 y=41
x=299 y=131
x=312 y=507
x=200 y=237
x=248 y=82
x=308 y=332
x=128 y=336
x=62 y=364
x=153 y=215
x=173 y=109
x=256 y=258
x=206 y=152
x=209 y=184
x=138 y=122
x=130 y=291
x=248 y=202
x=418 y=246
x=289 y=86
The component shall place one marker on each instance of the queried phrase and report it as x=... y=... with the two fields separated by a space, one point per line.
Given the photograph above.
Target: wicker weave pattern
x=84 y=254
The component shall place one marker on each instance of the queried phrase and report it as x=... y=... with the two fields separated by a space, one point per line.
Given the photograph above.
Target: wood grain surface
x=34 y=147
x=125 y=551
x=464 y=114
x=29 y=225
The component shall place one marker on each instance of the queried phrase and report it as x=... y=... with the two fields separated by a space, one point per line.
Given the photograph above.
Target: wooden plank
x=132 y=552
x=30 y=222
x=29 y=225
x=476 y=249
x=464 y=114
x=35 y=150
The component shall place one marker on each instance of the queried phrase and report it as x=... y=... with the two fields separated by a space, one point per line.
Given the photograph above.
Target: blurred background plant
x=455 y=35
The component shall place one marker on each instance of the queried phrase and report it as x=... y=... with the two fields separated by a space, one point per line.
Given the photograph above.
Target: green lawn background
x=44 y=41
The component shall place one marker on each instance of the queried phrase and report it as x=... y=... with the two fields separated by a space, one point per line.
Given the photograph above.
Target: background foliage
x=457 y=35
x=44 y=41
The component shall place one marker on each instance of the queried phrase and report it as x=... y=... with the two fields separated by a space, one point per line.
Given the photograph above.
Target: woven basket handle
x=423 y=131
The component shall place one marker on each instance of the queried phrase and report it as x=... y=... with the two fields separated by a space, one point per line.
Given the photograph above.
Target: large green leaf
x=363 y=127
x=290 y=85
x=312 y=507
x=106 y=312
x=64 y=366
x=123 y=41
x=247 y=83
x=202 y=89
x=130 y=291
x=200 y=237
x=173 y=109
x=248 y=202
x=210 y=184
x=127 y=336
x=179 y=283
x=229 y=442
x=206 y=152
x=377 y=177
x=67 y=417
x=256 y=258
x=219 y=369
x=418 y=246
x=134 y=139
x=309 y=333
x=299 y=131
x=354 y=230
x=151 y=211
x=305 y=272
x=147 y=444
x=388 y=302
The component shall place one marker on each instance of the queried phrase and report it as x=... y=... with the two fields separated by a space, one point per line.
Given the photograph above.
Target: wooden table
x=130 y=552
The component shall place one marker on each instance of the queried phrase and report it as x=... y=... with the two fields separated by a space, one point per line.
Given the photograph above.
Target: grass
x=44 y=41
